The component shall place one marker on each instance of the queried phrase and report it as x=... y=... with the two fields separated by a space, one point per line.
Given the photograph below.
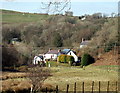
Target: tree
x=86 y=59
x=37 y=75
x=57 y=40
x=56 y=6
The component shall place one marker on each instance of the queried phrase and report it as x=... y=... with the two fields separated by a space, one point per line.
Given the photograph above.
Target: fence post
x=57 y=89
x=116 y=86
x=83 y=87
x=67 y=88
x=99 y=86
x=108 y=87
x=75 y=88
x=92 y=86
x=46 y=90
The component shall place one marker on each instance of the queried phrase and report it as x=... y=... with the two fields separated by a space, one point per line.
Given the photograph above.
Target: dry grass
x=63 y=75
x=10 y=75
x=15 y=84
x=14 y=81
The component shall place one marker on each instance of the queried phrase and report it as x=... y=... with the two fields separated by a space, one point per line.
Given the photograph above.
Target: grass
x=62 y=76
x=17 y=17
x=55 y=64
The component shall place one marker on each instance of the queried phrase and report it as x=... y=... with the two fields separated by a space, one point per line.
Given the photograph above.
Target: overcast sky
x=79 y=7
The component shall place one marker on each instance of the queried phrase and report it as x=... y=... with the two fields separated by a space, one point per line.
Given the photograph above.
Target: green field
x=63 y=75
x=17 y=17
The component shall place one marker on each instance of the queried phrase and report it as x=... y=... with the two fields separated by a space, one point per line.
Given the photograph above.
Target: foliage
x=70 y=59
x=70 y=20
x=10 y=32
x=86 y=60
x=11 y=57
x=57 y=40
x=66 y=59
x=62 y=31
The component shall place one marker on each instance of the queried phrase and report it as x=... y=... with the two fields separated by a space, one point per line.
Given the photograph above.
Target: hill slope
x=9 y=16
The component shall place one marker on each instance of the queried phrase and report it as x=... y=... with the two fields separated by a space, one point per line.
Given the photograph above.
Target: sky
x=79 y=7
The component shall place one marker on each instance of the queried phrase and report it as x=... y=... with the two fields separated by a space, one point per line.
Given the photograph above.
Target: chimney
x=59 y=50
x=83 y=39
x=50 y=49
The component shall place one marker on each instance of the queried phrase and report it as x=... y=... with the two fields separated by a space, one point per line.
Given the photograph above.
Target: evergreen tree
x=57 y=40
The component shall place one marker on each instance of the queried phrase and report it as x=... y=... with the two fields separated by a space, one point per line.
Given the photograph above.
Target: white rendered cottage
x=37 y=60
x=70 y=52
x=52 y=54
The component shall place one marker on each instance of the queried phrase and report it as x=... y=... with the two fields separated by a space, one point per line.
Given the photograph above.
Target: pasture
x=18 y=17
x=62 y=76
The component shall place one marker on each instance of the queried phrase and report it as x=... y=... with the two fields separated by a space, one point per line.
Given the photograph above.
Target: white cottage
x=52 y=54
x=84 y=43
x=70 y=52
x=37 y=60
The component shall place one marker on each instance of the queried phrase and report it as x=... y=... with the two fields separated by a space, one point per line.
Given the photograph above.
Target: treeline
x=105 y=39
x=56 y=31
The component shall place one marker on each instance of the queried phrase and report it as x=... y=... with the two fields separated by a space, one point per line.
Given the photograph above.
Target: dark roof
x=84 y=43
x=53 y=52
x=65 y=51
x=41 y=57
x=14 y=39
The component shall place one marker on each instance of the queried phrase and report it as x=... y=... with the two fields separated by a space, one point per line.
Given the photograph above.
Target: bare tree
x=56 y=6
x=37 y=75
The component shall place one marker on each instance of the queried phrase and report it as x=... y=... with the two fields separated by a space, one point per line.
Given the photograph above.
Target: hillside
x=41 y=32
x=109 y=58
x=9 y=16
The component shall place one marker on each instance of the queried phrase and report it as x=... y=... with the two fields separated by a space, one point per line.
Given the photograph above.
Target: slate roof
x=84 y=43
x=41 y=57
x=65 y=51
x=53 y=52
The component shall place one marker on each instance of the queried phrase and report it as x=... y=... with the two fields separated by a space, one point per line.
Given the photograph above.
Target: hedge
x=66 y=59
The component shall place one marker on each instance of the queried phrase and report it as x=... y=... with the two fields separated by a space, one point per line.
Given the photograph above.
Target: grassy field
x=69 y=75
x=63 y=74
x=17 y=17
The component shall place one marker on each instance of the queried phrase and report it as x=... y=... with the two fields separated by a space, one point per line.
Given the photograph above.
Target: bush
x=86 y=60
x=70 y=59
x=66 y=59
x=63 y=58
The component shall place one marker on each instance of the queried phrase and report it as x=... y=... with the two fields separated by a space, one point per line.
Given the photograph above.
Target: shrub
x=86 y=60
x=70 y=59
x=63 y=58
x=66 y=59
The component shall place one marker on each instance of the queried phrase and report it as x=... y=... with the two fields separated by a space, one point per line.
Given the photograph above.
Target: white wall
x=36 y=60
x=81 y=46
x=49 y=56
x=73 y=54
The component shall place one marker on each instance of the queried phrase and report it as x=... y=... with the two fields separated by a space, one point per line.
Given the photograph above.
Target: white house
x=37 y=60
x=84 y=43
x=70 y=52
x=52 y=54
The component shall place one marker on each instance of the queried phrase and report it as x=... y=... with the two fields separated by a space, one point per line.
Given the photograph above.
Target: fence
x=83 y=88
